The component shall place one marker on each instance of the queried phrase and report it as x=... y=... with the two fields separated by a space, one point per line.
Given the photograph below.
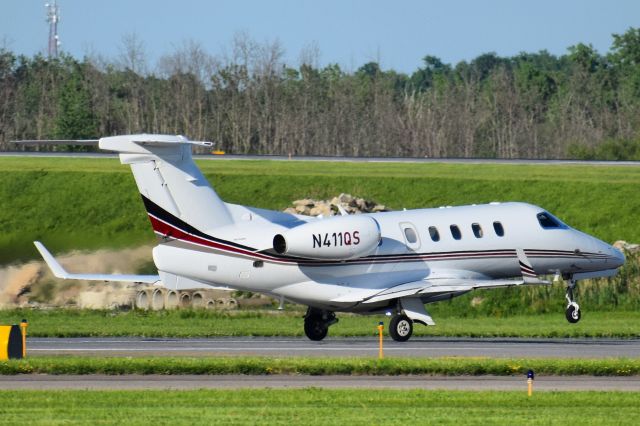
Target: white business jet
x=391 y=262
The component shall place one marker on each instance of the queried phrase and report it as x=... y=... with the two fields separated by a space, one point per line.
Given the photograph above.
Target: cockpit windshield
x=548 y=221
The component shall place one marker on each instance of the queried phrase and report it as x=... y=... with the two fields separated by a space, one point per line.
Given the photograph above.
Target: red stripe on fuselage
x=171 y=231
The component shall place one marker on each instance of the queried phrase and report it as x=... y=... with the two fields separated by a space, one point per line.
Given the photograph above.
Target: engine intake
x=279 y=244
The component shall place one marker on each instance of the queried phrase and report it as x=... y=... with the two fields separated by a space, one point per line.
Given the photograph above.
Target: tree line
x=582 y=104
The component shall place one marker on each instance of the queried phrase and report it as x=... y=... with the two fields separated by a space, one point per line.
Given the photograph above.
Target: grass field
x=319 y=366
x=89 y=203
x=194 y=323
x=317 y=407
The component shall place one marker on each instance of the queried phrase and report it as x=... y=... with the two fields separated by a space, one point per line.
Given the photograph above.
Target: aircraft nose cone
x=618 y=256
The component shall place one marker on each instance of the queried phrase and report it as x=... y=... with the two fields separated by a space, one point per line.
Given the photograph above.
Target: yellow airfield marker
x=23 y=327
x=380 y=328
x=530 y=376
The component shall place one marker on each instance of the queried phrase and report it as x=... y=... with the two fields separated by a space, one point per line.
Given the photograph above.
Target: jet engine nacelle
x=335 y=238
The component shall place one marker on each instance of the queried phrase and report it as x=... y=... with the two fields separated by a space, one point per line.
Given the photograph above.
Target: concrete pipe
x=231 y=303
x=157 y=299
x=184 y=299
x=143 y=298
x=171 y=300
x=220 y=303
x=198 y=300
x=211 y=304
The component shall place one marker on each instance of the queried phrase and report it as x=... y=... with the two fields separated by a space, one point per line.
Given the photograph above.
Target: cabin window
x=497 y=226
x=434 y=234
x=411 y=236
x=477 y=230
x=455 y=232
x=547 y=221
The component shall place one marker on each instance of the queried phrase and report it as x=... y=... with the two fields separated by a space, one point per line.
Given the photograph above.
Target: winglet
x=51 y=261
x=528 y=273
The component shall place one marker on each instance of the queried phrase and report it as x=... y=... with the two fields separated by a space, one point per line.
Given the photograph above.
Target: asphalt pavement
x=338 y=347
x=337 y=159
x=185 y=382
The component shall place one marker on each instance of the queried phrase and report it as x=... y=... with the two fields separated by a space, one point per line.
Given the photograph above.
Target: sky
x=397 y=34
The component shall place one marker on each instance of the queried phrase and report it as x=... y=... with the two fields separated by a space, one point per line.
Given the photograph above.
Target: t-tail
x=173 y=190
x=169 y=181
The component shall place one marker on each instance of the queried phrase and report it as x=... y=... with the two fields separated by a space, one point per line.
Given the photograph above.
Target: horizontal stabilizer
x=144 y=140
x=60 y=272
x=79 y=142
x=164 y=143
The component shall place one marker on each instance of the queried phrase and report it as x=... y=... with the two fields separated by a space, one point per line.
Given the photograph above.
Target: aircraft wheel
x=400 y=328
x=572 y=313
x=315 y=328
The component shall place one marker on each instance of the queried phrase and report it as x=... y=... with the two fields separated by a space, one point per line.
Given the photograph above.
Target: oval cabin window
x=411 y=236
x=455 y=232
x=434 y=234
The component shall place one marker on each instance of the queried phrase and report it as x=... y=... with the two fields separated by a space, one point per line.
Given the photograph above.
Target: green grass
x=89 y=203
x=319 y=366
x=193 y=323
x=317 y=407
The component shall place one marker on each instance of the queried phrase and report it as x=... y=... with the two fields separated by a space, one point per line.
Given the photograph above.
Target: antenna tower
x=53 y=17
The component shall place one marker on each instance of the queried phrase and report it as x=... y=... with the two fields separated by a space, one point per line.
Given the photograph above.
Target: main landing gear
x=573 y=309
x=409 y=310
x=317 y=322
x=400 y=328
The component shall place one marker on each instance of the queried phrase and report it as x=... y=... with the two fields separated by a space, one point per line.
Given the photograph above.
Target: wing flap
x=441 y=285
x=403 y=290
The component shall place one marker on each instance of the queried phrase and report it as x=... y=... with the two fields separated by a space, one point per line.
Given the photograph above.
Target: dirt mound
x=33 y=284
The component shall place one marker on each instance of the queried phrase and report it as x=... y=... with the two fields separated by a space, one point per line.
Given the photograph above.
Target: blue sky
x=350 y=33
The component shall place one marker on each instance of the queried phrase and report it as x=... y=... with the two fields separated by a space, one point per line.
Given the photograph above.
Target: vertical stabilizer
x=167 y=177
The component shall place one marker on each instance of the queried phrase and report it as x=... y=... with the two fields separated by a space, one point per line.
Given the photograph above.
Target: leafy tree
x=423 y=78
x=75 y=118
x=581 y=104
x=626 y=48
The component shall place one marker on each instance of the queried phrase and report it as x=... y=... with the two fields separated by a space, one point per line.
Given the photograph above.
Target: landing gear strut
x=317 y=322
x=573 y=309
x=400 y=328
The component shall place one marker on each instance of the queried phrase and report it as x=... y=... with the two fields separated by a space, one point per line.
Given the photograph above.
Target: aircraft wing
x=451 y=284
x=434 y=286
x=60 y=272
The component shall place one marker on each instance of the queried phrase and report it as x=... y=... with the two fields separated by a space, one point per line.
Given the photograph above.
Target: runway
x=338 y=347
x=137 y=382
x=337 y=159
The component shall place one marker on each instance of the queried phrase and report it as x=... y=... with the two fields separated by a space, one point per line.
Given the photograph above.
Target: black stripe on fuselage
x=170 y=219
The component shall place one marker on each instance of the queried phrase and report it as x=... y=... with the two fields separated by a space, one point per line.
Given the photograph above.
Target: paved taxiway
x=542 y=383
x=338 y=347
x=333 y=347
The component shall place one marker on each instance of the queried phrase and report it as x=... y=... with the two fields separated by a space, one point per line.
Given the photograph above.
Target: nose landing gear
x=572 y=313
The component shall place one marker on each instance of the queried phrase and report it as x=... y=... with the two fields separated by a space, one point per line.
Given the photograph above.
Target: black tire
x=400 y=328
x=315 y=329
x=573 y=314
